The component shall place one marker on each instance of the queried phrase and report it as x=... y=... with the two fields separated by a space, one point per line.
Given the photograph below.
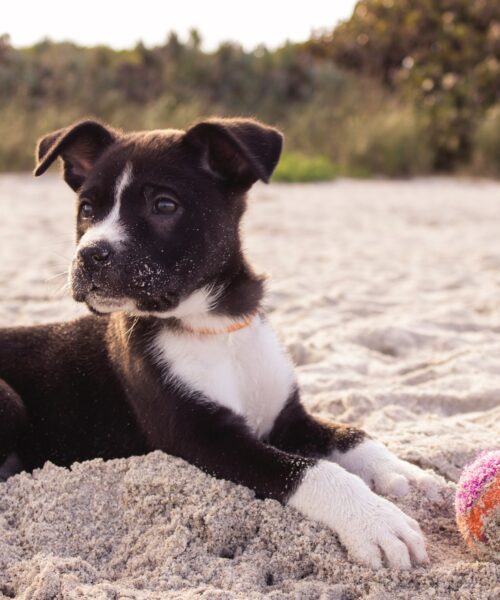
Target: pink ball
x=477 y=505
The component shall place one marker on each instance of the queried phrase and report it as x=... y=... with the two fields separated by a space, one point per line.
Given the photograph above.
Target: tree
x=445 y=54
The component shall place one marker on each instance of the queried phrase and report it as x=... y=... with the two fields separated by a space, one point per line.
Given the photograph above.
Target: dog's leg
x=299 y=432
x=12 y=421
x=219 y=442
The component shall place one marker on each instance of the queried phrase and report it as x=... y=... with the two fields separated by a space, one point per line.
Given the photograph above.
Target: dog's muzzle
x=103 y=278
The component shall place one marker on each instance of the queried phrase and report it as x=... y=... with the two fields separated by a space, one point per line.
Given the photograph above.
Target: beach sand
x=386 y=294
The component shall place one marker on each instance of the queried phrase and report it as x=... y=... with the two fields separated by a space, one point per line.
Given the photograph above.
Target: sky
x=122 y=23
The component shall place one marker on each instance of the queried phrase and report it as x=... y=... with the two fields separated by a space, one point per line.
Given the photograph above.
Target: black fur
x=298 y=432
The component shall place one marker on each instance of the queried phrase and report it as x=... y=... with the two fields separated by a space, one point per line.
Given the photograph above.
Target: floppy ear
x=240 y=151
x=79 y=146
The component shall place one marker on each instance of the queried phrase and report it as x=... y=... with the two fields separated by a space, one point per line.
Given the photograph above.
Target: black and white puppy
x=179 y=355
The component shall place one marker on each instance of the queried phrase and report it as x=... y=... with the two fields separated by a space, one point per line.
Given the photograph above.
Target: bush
x=487 y=144
x=20 y=130
x=442 y=54
x=295 y=167
x=393 y=142
x=398 y=112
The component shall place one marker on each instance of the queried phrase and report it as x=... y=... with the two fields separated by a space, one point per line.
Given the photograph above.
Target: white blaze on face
x=110 y=229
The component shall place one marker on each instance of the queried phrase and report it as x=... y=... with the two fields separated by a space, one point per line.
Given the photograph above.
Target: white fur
x=385 y=472
x=110 y=229
x=365 y=523
x=193 y=311
x=110 y=305
x=246 y=371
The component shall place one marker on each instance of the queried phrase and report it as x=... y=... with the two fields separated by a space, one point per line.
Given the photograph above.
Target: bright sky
x=122 y=23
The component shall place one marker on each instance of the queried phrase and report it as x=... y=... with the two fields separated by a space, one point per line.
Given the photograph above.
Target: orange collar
x=229 y=329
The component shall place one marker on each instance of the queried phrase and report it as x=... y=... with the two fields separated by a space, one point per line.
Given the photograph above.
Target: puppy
x=178 y=355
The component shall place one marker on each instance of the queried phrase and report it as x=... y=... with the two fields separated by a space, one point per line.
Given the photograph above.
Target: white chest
x=245 y=371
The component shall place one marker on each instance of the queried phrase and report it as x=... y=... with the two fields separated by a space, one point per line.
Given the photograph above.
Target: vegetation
x=404 y=87
x=295 y=166
x=486 y=143
x=443 y=55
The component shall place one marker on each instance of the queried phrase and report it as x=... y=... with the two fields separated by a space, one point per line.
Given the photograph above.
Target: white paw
x=374 y=531
x=387 y=474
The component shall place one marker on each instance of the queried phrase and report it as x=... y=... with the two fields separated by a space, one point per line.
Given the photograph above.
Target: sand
x=386 y=295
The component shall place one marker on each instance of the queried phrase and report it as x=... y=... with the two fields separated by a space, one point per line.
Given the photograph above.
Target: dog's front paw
x=380 y=533
x=374 y=531
x=387 y=474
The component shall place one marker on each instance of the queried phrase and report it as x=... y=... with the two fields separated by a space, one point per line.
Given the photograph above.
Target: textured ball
x=477 y=505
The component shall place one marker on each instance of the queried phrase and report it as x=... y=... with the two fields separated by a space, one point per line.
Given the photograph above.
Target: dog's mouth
x=102 y=305
x=101 y=301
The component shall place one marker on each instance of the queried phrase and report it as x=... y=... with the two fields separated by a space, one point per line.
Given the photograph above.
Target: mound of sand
x=386 y=296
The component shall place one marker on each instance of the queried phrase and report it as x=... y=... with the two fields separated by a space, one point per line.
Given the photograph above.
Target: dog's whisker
x=62 y=239
x=67 y=236
x=57 y=275
x=128 y=333
x=60 y=291
x=60 y=255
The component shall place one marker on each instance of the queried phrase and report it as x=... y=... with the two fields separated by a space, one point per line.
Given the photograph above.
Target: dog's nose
x=96 y=255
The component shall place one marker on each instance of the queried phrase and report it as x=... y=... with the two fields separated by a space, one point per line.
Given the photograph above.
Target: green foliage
x=403 y=87
x=296 y=167
x=443 y=54
x=363 y=129
x=394 y=143
x=487 y=144
x=50 y=84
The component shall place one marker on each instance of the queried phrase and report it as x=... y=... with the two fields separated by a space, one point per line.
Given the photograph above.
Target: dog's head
x=158 y=212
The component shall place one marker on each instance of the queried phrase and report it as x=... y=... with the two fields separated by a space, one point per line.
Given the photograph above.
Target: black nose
x=96 y=255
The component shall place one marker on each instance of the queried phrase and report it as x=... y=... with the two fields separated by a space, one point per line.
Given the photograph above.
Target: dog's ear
x=79 y=146
x=240 y=151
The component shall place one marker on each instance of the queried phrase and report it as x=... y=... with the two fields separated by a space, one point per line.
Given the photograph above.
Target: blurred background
x=375 y=87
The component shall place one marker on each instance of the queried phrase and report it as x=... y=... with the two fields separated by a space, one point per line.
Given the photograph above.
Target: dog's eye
x=163 y=205
x=86 y=210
